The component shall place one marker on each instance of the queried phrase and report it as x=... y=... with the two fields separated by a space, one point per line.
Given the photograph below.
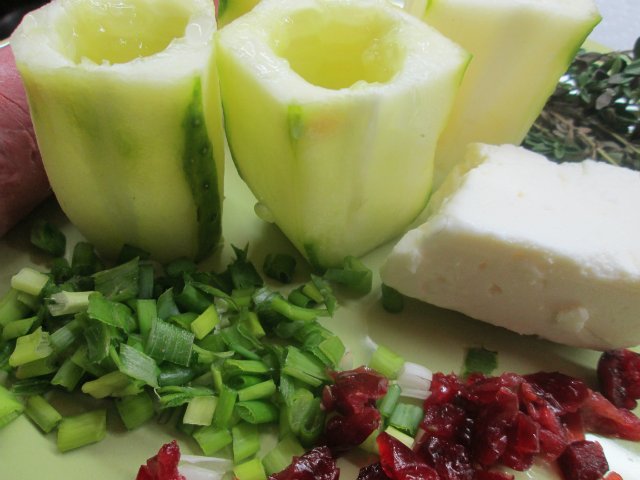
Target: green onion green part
x=80 y=430
x=42 y=413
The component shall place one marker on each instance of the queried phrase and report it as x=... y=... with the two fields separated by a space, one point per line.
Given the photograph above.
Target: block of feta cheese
x=540 y=248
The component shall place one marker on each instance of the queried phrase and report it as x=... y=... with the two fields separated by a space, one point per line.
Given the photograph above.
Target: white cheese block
x=537 y=247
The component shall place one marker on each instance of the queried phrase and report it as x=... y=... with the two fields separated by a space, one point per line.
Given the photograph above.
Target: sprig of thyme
x=594 y=111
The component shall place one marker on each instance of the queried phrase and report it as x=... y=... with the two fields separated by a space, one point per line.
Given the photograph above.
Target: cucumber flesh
x=118 y=94
x=520 y=50
x=346 y=101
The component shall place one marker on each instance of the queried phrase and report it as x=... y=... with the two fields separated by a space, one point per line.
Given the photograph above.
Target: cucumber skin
x=113 y=150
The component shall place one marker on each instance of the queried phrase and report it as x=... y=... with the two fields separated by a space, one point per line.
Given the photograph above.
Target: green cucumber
x=128 y=119
x=332 y=111
x=520 y=50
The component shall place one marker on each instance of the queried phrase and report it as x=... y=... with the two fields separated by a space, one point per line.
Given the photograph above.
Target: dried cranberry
x=316 y=464
x=443 y=420
x=601 y=416
x=619 y=377
x=372 y=472
x=443 y=389
x=583 y=460
x=563 y=391
x=491 y=390
x=343 y=432
x=354 y=390
x=162 y=466
x=450 y=460
x=399 y=462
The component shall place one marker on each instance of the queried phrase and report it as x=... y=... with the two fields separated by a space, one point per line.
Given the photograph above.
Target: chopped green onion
x=243 y=273
x=80 y=357
x=67 y=303
x=232 y=368
x=11 y=308
x=280 y=456
x=200 y=410
x=257 y=411
x=42 y=413
x=266 y=300
x=250 y=470
x=112 y=384
x=138 y=365
x=84 y=260
x=119 y=283
x=173 y=396
x=37 y=368
x=81 y=430
x=135 y=410
x=406 y=418
x=98 y=340
x=30 y=386
x=10 y=407
x=112 y=313
x=29 y=281
x=312 y=423
x=31 y=301
x=415 y=380
x=166 y=305
x=329 y=351
x=224 y=410
x=279 y=266
x=68 y=375
x=241 y=382
x=175 y=375
x=18 y=328
x=250 y=322
x=178 y=267
x=304 y=367
x=191 y=299
x=212 y=439
x=169 y=342
x=392 y=300
x=32 y=347
x=386 y=362
x=48 y=237
x=397 y=434
x=145 y=281
x=146 y=312
x=480 y=360
x=258 y=391
x=64 y=337
x=205 y=322
x=246 y=441
x=298 y=298
x=326 y=293
x=388 y=403
x=354 y=275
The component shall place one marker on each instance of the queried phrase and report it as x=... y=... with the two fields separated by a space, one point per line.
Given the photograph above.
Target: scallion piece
x=386 y=362
x=354 y=275
x=30 y=281
x=146 y=277
x=191 y=299
x=241 y=382
x=170 y=343
x=42 y=413
x=250 y=470
x=175 y=375
x=68 y=375
x=98 y=340
x=112 y=384
x=246 y=441
x=31 y=301
x=298 y=298
x=64 y=337
x=279 y=266
x=415 y=380
x=84 y=260
x=135 y=410
x=329 y=351
x=388 y=403
x=146 y=312
x=67 y=303
x=32 y=347
x=250 y=322
x=81 y=359
x=180 y=266
x=258 y=391
x=257 y=411
x=399 y=435
x=37 y=368
x=119 y=283
x=175 y=396
x=10 y=407
x=138 y=365
x=280 y=456
x=18 y=328
x=30 y=386
x=112 y=313
x=406 y=418
x=200 y=410
x=212 y=439
x=224 y=410
x=243 y=273
x=48 y=237
x=166 y=305
x=304 y=367
x=392 y=300
x=81 y=430
x=11 y=308
x=205 y=322
x=266 y=300
x=233 y=367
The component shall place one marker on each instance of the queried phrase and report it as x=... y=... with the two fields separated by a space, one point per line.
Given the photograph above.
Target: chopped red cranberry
x=399 y=462
x=344 y=432
x=562 y=391
x=354 y=390
x=372 y=472
x=162 y=466
x=444 y=388
x=601 y=416
x=619 y=377
x=449 y=459
x=583 y=460
x=316 y=464
x=443 y=420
